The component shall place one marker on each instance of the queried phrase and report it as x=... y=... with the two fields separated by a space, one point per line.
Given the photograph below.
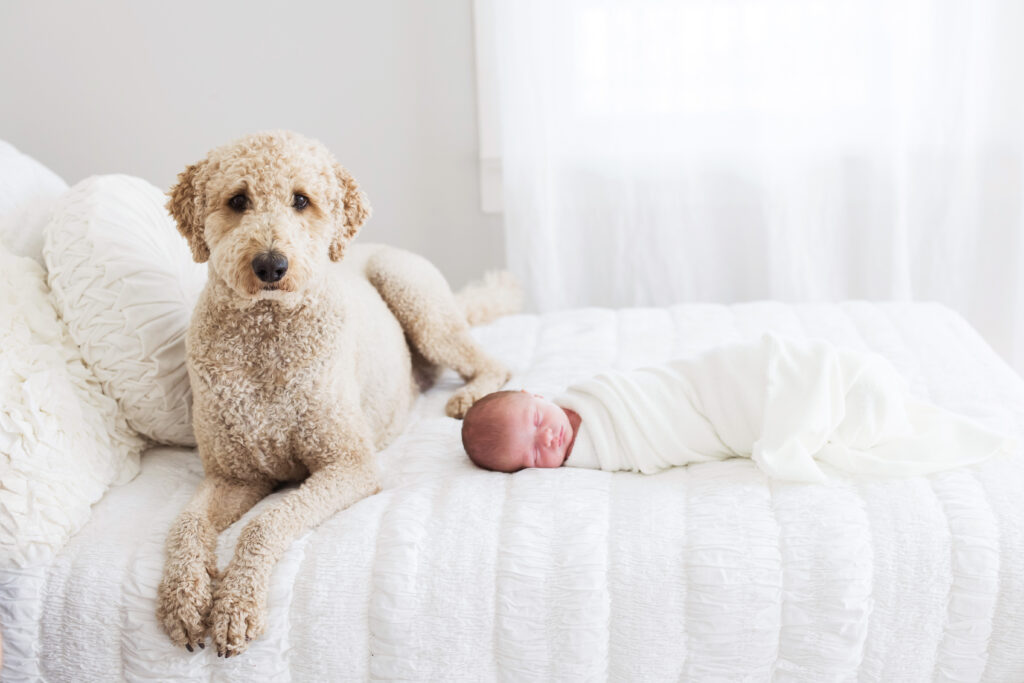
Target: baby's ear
x=351 y=210
x=188 y=206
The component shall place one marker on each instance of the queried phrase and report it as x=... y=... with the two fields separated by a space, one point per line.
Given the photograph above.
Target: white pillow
x=124 y=281
x=27 y=192
x=62 y=441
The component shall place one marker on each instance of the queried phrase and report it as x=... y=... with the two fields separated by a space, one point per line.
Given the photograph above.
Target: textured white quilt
x=712 y=572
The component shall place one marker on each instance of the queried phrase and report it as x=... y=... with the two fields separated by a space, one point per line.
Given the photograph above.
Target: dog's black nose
x=270 y=266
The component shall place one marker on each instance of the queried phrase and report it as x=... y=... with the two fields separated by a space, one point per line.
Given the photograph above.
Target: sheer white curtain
x=662 y=151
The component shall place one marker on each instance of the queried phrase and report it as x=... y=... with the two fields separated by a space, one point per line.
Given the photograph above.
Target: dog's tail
x=497 y=294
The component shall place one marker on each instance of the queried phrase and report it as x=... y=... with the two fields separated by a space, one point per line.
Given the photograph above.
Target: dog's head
x=267 y=212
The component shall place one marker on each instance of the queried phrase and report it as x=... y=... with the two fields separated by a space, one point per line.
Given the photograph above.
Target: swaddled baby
x=788 y=404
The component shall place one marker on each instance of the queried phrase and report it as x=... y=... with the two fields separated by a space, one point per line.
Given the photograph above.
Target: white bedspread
x=711 y=572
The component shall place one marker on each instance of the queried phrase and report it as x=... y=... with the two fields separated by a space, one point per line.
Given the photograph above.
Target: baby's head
x=509 y=430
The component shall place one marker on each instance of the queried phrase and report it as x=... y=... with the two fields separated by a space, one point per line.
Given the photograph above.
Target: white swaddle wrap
x=786 y=403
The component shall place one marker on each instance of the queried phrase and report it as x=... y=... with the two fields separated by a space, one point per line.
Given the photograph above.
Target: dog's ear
x=352 y=208
x=187 y=205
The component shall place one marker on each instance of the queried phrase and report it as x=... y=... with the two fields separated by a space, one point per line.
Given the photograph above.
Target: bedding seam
x=685 y=571
x=299 y=545
x=607 y=573
x=782 y=571
x=502 y=516
x=122 y=611
x=373 y=587
x=63 y=605
x=858 y=487
x=952 y=577
x=999 y=573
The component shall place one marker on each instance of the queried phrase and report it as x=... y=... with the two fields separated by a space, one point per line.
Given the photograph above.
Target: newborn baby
x=510 y=430
x=786 y=403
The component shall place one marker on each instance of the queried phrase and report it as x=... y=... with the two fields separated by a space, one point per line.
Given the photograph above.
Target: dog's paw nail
x=202 y=646
x=189 y=647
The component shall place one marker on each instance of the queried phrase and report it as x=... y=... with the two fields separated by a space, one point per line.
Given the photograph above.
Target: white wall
x=146 y=88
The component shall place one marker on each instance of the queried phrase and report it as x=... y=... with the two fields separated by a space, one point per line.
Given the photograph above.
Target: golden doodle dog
x=304 y=356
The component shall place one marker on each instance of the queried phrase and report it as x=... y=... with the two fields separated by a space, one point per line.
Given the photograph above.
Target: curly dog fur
x=302 y=365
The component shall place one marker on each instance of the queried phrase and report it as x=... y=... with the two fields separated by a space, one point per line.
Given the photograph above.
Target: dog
x=304 y=355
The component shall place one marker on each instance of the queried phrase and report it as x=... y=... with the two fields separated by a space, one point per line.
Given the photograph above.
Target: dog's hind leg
x=419 y=297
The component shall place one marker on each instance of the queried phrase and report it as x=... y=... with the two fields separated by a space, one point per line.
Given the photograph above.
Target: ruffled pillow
x=27 y=192
x=62 y=441
x=124 y=280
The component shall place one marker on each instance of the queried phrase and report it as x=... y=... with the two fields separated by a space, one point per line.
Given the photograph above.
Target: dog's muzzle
x=270 y=266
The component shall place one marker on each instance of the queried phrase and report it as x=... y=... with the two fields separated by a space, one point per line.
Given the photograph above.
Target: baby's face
x=538 y=432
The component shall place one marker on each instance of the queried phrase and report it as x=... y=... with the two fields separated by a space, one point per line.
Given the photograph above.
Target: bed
x=711 y=572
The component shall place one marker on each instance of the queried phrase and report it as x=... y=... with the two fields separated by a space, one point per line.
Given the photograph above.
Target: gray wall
x=145 y=88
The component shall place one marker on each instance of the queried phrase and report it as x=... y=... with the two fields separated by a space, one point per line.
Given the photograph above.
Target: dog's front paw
x=239 y=614
x=482 y=384
x=184 y=599
x=460 y=403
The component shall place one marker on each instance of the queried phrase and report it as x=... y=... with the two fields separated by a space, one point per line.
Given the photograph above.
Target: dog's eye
x=300 y=202
x=239 y=202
